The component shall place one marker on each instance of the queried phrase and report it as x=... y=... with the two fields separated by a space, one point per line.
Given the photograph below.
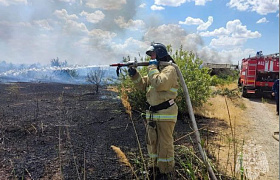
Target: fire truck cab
x=258 y=74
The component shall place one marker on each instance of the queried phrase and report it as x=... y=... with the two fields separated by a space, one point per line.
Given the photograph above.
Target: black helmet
x=160 y=50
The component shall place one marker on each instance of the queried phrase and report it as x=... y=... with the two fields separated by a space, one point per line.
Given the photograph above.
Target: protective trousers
x=277 y=102
x=160 y=144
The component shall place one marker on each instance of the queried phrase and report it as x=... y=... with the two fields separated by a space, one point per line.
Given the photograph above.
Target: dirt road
x=253 y=120
x=260 y=147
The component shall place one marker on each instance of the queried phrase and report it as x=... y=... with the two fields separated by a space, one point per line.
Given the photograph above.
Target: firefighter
x=161 y=85
x=275 y=89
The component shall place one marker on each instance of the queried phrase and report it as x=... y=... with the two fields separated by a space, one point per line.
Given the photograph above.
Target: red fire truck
x=258 y=74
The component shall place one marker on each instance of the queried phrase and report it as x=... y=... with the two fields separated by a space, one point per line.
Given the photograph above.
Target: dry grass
x=126 y=103
x=14 y=89
x=230 y=110
x=216 y=107
x=112 y=88
x=122 y=157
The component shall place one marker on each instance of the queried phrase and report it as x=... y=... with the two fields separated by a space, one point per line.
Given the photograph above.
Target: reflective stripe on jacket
x=160 y=85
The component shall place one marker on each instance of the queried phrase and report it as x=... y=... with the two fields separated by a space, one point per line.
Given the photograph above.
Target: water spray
x=48 y=73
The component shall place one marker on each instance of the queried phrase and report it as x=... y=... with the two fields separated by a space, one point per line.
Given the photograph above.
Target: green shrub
x=196 y=78
x=137 y=98
x=225 y=77
x=230 y=93
x=215 y=80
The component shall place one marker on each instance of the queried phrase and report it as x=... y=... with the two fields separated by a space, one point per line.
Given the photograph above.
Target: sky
x=99 y=32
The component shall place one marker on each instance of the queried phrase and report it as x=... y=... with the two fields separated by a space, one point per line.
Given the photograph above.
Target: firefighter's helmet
x=159 y=49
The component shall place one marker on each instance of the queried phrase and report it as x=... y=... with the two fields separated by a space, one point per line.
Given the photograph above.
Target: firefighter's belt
x=160 y=106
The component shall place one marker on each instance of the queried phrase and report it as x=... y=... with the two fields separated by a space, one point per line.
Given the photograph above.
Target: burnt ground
x=62 y=131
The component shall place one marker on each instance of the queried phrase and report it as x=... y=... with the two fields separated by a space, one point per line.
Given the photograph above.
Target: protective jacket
x=161 y=86
x=275 y=88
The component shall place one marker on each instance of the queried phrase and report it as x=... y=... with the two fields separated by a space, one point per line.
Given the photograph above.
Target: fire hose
x=188 y=102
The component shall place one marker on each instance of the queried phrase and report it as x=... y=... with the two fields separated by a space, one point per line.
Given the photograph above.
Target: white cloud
x=204 y=26
x=157 y=8
x=196 y=21
x=63 y=14
x=143 y=5
x=233 y=28
x=174 y=3
x=93 y=17
x=217 y=32
x=43 y=24
x=201 y=2
x=130 y=24
x=240 y=31
x=262 y=7
x=240 y=5
x=191 y=21
x=262 y=20
x=68 y=1
x=70 y=26
x=107 y=5
x=74 y=28
x=234 y=35
x=12 y=2
x=227 y=42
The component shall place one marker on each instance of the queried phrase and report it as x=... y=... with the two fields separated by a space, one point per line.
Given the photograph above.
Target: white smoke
x=38 y=73
x=82 y=34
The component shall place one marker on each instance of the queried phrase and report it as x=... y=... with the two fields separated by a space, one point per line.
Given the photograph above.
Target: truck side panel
x=261 y=64
x=276 y=65
x=258 y=73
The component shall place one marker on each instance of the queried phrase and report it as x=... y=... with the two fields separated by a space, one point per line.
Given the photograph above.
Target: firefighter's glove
x=153 y=62
x=131 y=71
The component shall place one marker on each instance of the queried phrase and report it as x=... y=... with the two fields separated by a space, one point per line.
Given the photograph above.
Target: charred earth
x=63 y=131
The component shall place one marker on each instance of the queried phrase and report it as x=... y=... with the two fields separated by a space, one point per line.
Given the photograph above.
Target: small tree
x=57 y=63
x=62 y=71
x=95 y=77
x=197 y=79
